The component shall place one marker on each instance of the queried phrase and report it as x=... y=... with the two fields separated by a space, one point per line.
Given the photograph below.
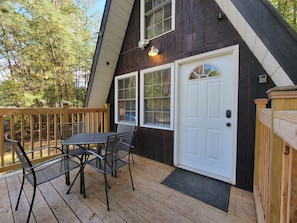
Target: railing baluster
x=12 y=132
x=32 y=134
x=40 y=132
x=48 y=129
x=56 y=129
x=22 y=130
x=2 y=142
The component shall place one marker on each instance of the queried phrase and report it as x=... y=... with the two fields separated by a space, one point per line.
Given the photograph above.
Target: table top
x=88 y=138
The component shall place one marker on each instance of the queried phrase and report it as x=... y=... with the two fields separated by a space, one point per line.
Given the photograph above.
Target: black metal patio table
x=88 y=138
x=83 y=139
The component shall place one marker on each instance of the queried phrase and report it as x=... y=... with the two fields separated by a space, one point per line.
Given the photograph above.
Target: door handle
x=228 y=124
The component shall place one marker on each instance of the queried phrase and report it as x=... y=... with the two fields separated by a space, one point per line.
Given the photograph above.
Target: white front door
x=206 y=118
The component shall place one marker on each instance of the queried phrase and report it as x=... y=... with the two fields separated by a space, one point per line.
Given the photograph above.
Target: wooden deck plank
x=76 y=202
x=14 y=185
x=96 y=198
x=204 y=213
x=5 y=210
x=149 y=202
x=41 y=211
x=120 y=191
x=244 y=200
x=116 y=205
x=145 y=197
x=59 y=207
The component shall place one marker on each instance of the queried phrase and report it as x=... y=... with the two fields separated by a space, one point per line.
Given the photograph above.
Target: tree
x=288 y=10
x=48 y=46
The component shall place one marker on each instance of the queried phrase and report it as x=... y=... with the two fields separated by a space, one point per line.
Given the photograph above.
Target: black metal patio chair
x=117 y=155
x=66 y=130
x=123 y=128
x=44 y=171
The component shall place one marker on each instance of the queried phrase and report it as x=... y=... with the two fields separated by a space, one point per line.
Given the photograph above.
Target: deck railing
x=38 y=127
x=275 y=167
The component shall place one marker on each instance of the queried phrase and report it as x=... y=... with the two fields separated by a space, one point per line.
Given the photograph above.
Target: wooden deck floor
x=150 y=202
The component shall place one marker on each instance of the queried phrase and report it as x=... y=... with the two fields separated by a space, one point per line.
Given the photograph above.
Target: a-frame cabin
x=193 y=103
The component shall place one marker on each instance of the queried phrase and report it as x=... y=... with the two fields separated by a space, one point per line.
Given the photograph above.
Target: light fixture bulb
x=153 y=51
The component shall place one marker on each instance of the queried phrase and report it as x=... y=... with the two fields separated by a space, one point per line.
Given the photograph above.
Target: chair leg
x=22 y=186
x=82 y=179
x=79 y=172
x=67 y=177
x=114 y=173
x=82 y=183
x=32 y=201
x=131 y=177
x=82 y=174
x=106 y=191
x=132 y=158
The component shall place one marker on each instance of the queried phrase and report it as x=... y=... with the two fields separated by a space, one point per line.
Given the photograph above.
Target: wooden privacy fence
x=38 y=127
x=275 y=167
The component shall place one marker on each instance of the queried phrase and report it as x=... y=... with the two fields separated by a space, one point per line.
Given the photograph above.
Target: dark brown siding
x=197 y=31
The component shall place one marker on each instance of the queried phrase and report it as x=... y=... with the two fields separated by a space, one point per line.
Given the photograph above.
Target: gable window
x=157 y=17
x=205 y=71
x=126 y=98
x=156 y=100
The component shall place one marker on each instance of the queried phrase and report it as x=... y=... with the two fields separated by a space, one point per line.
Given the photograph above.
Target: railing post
x=260 y=104
x=107 y=118
x=65 y=115
x=258 y=164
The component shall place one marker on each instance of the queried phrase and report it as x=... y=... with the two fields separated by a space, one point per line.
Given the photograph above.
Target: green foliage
x=48 y=48
x=288 y=9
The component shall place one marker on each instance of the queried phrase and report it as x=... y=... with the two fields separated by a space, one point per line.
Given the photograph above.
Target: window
x=156 y=103
x=157 y=17
x=126 y=98
x=205 y=71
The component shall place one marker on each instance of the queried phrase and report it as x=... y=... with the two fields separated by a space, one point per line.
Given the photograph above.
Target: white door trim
x=234 y=50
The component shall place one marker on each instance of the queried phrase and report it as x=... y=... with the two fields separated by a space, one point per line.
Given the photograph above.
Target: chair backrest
x=122 y=128
x=120 y=144
x=69 y=129
x=20 y=152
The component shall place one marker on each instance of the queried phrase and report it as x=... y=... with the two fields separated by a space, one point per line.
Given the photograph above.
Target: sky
x=101 y=4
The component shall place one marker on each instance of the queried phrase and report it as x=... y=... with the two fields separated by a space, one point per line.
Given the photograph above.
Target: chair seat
x=52 y=171
x=76 y=151
x=110 y=166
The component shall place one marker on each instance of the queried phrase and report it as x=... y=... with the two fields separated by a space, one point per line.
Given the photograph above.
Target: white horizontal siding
x=113 y=36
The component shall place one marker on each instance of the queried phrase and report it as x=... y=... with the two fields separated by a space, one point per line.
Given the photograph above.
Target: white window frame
x=142 y=20
x=117 y=78
x=142 y=112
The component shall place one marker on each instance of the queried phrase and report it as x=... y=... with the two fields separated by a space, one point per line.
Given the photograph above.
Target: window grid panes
x=127 y=99
x=158 y=17
x=157 y=98
x=205 y=71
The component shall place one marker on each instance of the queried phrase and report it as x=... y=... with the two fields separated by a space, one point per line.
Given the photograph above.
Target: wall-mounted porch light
x=153 y=52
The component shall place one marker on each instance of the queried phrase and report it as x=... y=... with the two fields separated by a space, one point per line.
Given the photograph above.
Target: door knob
x=228 y=124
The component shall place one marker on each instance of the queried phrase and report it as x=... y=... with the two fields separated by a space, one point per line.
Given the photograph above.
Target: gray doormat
x=210 y=191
